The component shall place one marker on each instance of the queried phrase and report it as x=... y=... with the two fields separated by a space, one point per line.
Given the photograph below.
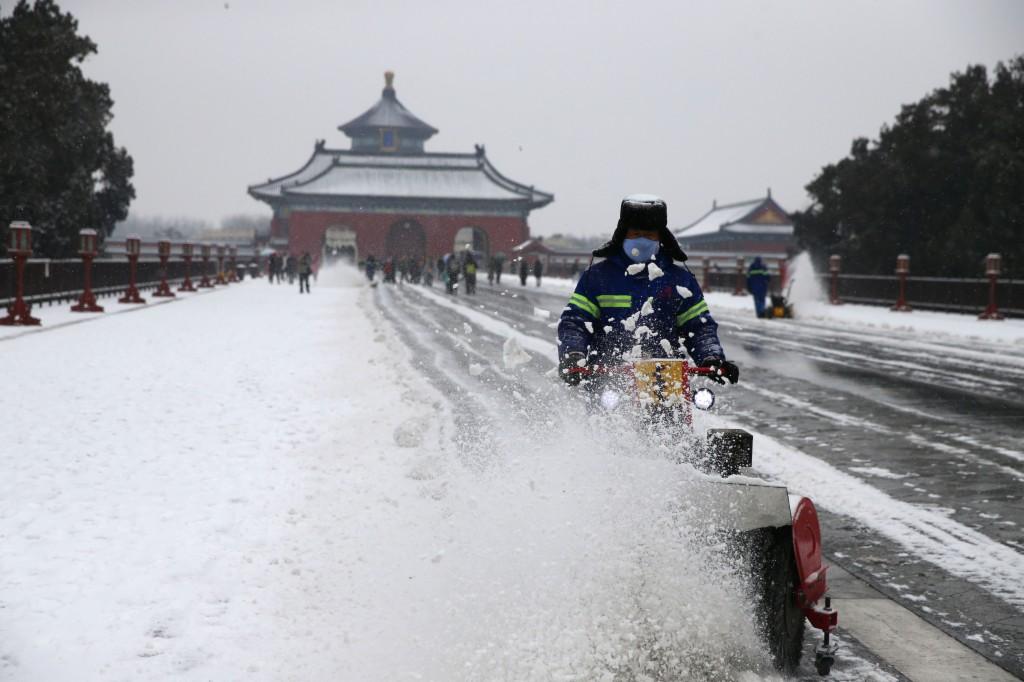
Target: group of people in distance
x=397 y=270
x=281 y=266
x=451 y=268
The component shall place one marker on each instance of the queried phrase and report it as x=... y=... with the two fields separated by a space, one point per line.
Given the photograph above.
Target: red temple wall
x=306 y=230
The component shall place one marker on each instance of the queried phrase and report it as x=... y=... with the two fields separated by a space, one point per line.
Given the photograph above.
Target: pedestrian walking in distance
x=469 y=271
x=538 y=270
x=524 y=272
x=451 y=274
x=305 y=267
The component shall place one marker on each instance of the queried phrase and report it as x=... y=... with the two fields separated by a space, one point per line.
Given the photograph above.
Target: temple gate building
x=758 y=227
x=388 y=197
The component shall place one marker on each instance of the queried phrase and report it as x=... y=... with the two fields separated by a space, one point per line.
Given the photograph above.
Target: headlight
x=703 y=399
x=610 y=399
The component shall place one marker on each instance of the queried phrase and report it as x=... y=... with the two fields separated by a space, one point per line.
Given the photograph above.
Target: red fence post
x=186 y=254
x=20 y=248
x=132 y=247
x=87 y=250
x=205 y=282
x=993 y=267
x=740 y=280
x=783 y=274
x=706 y=275
x=902 y=270
x=220 y=265
x=834 y=264
x=164 y=250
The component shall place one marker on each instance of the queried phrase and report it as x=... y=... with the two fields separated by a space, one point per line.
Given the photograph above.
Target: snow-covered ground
x=254 y=484
x=218 y=488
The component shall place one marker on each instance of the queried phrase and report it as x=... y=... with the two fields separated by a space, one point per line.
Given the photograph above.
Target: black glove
x=571 y=361
x=723 y=369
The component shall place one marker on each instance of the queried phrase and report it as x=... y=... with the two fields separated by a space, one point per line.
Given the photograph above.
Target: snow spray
x=805 y=289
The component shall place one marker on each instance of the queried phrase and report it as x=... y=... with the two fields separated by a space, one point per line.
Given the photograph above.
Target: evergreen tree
x=59 y=166
x=944 y=183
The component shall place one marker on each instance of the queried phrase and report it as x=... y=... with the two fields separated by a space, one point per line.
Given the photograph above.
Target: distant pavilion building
x=557 y=262
x=758 y=227
x=387 y=196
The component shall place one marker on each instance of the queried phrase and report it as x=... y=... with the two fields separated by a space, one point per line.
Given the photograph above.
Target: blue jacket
x=602 y=314
x=757 y=278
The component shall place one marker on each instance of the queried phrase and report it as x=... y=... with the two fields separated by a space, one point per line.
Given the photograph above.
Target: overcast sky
x=591 y=101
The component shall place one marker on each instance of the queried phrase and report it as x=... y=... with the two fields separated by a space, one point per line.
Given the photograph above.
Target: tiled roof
x=388 y=112
x=733 y=218
x=335 y=173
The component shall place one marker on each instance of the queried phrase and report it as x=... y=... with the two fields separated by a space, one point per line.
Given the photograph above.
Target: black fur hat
x=643 y=212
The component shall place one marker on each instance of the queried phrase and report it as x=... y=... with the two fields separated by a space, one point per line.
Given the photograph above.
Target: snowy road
x=925 y=434
x=377 y=484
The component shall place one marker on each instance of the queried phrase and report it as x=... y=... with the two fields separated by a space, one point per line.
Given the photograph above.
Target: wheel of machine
x=779 y=618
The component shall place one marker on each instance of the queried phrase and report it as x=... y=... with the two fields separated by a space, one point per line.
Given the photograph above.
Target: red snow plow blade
x=813 y=584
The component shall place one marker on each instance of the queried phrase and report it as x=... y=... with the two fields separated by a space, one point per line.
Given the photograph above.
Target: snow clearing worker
x=757 y=284
x=640 y=300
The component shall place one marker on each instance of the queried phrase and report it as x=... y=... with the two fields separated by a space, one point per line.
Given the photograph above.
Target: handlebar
x=626 y=368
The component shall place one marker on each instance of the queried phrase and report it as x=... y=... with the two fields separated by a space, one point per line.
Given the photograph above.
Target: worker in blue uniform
x=757 y=284
x=639 y=301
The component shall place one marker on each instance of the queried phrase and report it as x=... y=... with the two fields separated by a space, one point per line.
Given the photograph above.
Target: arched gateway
x=396 y=198
x=340 y=244
x=474 y=239
x=406 y=239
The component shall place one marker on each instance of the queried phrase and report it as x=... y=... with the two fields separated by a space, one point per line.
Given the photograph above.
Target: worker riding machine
x=777 y=533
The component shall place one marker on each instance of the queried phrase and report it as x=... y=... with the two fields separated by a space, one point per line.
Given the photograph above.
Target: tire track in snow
x=868 y=425
x=913 y=371
x=948 y=544
x=473 y=422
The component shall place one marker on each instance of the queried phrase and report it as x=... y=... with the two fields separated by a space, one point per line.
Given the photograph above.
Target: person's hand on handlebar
x=573 y=360
x=722 y=370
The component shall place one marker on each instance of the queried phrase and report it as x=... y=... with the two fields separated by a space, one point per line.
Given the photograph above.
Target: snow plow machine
x=781 y=305
x=777 y=534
